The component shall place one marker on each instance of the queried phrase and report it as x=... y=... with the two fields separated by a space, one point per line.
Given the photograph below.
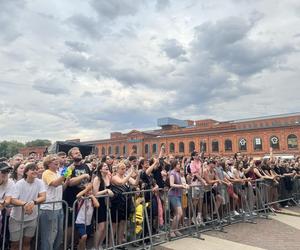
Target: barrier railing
x=144 y=218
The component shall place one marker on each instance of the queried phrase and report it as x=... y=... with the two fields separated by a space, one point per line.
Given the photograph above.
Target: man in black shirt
x=81 y=175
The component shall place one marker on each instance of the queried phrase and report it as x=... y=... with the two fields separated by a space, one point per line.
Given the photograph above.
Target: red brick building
x=252 y=136
x=39 y=151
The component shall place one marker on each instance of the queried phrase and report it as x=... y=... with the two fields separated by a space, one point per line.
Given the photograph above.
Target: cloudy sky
x=82 y=69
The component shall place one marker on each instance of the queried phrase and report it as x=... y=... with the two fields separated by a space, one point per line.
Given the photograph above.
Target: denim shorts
x=175 y=201
x=83 y=229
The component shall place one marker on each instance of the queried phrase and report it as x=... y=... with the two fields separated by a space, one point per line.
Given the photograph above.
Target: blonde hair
x=48 y=159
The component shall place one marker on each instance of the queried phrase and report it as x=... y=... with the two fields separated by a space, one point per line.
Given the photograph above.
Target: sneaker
x=200 y=221
x=208 y=218
x=178 y=233
x=254 y=214
x=235 y=213
x=224 y=221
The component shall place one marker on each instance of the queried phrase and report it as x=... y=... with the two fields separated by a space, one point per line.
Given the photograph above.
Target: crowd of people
x=41 y=193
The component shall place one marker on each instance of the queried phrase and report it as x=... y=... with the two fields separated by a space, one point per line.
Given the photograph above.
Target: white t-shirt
x=85 y=213
x=52 y=193
x=27 y=192
x=7 y=189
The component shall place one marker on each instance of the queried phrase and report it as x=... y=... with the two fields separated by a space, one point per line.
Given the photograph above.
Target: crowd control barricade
x=35 y=241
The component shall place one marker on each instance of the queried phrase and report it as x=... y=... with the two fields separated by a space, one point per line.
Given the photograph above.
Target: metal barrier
x=136 y=221
x=35 y=241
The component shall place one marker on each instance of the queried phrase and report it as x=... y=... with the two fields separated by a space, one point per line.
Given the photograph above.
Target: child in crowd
x=85 y=210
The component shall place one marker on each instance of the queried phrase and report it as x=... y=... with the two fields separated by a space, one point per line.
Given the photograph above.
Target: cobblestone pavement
x=267 y=233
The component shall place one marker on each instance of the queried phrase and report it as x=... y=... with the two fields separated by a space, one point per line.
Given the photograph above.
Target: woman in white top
x=30 y=191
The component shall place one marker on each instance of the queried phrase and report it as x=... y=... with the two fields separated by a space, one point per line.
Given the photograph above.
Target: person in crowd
x=197 y=185
x=51 y=214
x=80 y=176
x=175 y=196
x=85 y=209
x=29 y=192
x=16 y=160
x=101 y=186
x=18 y=171
x=211 y=178
x=7 y=189
x=120 y=203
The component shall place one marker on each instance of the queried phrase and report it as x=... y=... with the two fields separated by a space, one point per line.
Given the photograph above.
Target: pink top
x=195 y=167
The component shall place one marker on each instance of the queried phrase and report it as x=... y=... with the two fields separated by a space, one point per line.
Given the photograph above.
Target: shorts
x=83 y=229
x=197 y=192
x=175 y=201
x=15 y=228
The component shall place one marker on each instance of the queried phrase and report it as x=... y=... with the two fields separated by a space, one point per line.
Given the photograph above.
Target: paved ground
x=279 y=232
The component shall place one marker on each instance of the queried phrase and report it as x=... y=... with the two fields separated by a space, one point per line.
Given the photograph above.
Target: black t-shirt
x=158 y=177
x=70 y=192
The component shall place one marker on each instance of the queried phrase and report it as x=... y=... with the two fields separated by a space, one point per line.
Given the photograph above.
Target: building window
x=154 y=148
x=274 y=142
x=191 y=146
x=215 y=146
x=203 y=146
x=257 y=143
x=134 y=149
x=109 y=150
x=117 y=151
x=292 y=141
x=172 y=147
x=146 y=149
x=228 y=145
x=243 y=144
x=181 y=147
x=103 y=151
x=124 y=150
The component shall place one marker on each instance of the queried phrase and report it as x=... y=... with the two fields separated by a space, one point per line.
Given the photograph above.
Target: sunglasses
x=5 y=171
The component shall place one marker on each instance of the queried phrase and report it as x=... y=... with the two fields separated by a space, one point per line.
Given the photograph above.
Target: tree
x=10 y=148
x=38 y=143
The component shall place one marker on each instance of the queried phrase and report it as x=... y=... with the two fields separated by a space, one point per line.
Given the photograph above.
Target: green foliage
x=37 y=143
x=10 y=148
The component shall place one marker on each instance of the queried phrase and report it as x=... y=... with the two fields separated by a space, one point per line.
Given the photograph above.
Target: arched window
x=203 y=146
x=124 y=150
x=154 y=148
x=163 y=145
x=191 y=146
x=274 y=142
x=257 y=144
x=242 y=144
x=215 y=146
x=146 y=149
x=109 y=150
x=181 y=147
x=117 y=151
x=172 y=147
x=292 y=141
x=103 y=151
x=228 y=145
x=134 y=149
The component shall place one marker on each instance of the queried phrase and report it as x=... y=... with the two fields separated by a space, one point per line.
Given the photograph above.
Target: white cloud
x=82 y=69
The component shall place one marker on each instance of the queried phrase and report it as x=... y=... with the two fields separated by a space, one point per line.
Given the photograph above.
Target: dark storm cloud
x=228 y=44
x=172 y=48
